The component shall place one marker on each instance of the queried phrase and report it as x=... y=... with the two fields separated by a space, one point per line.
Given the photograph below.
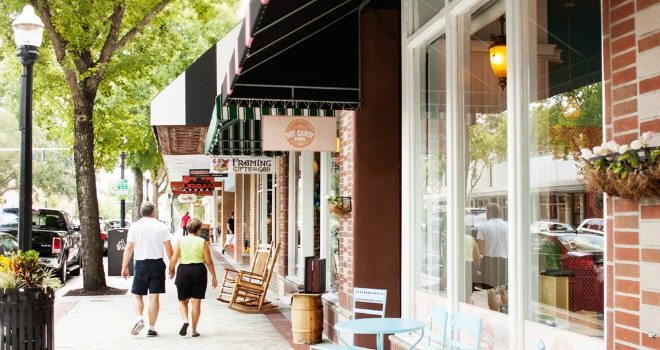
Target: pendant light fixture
x=497 y=54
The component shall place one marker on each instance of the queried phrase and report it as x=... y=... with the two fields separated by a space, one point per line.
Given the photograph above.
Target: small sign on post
x=122 y=189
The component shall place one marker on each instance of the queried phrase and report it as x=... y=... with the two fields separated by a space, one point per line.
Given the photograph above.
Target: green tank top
x=192 y=249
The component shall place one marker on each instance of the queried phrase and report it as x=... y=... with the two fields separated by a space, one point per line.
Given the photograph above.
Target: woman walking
x=192 y=253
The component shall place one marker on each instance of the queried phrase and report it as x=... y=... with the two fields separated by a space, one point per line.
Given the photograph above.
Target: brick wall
x=239 y=228
x=631 y=68
x=282 y=212
x=346 y=139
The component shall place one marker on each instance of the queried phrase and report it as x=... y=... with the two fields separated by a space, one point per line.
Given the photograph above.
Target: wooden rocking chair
x=250 y=289
x=259 y=265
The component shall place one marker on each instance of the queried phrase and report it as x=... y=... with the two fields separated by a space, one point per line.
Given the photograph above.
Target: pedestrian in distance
x=149 y=240
x=492 y=241
x=229 y=241
x=193 y=254
x=184 y=223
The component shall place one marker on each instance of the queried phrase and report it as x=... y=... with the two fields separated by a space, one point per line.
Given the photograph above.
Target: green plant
x=628 y=171
x=334 y=200
x=22 y=270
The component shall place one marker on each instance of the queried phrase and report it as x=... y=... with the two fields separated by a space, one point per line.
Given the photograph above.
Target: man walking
x=184 y=223
x=492 y=242
x=150 y=240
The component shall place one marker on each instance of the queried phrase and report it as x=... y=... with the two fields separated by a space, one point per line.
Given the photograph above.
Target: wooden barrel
x=306 y=318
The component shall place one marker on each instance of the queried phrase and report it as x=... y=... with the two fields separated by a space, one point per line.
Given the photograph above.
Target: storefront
x=467 y=191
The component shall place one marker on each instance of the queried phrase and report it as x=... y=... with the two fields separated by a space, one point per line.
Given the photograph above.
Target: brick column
x=631 y=69
x=239 y=227
x=346 y=139
x=282 y=212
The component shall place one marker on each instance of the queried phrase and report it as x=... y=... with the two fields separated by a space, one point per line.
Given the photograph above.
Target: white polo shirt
x=494 y=233
x=148 y=235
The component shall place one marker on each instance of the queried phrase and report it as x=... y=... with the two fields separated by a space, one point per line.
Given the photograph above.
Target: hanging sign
x=205 y=173
x=242 y=165
x=200 y=186
x=187 y=198
x=317 y=134
x=122 y=189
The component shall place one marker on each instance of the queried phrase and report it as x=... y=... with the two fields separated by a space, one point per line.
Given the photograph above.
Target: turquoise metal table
x=379 y=327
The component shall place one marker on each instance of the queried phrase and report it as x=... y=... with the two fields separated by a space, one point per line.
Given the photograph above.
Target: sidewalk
x=103 y=322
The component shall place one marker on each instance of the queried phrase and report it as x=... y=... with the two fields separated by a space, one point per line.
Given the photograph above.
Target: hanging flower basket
x=339 y=205
x=627 y=171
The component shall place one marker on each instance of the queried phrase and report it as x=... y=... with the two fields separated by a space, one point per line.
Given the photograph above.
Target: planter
x=339 y=210
x=26 y=318
x=634 y=174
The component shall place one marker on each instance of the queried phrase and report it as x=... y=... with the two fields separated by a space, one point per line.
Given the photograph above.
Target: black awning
x=296 y=53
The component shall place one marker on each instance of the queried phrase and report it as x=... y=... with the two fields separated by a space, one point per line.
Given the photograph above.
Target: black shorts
x=191 y=281
x=149 y=277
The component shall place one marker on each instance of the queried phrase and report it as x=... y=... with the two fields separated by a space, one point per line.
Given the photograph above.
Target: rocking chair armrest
x=249 y=276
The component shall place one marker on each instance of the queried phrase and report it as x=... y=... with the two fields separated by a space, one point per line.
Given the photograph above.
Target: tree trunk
x=138 y=195
x=88 y=206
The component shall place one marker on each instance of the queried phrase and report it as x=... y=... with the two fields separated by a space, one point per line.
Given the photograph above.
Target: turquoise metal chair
x=437 y=327
x=465 y=332
x=361 y=295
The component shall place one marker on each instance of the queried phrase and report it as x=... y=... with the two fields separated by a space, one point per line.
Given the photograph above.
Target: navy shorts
x=149 y=277
x=191 y=281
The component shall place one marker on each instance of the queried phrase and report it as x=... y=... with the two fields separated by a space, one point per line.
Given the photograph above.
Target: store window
x=304 y=227
x=432 y=189
x=486 y=230
x=565 y=115
x=424 y=10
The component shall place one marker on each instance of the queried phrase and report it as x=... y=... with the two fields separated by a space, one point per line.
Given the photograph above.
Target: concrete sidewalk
x=104 y=322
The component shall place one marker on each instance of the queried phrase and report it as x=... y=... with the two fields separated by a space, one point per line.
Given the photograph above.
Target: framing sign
x=242 y=165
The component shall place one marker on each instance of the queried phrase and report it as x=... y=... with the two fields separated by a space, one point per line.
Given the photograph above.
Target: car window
x=8 y=219
x=560 y=227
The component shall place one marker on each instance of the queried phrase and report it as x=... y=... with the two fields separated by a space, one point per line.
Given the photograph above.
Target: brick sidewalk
x=103 y=322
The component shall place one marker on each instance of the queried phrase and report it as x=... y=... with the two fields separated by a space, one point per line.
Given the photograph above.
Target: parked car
x=578 y=257
x=54 y=236
x=551 y=227
x=104 y=235
x=593 y=225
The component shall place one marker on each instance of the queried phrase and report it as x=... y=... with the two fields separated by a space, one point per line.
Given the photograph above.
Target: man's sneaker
x=152 y=333
x=137 y=327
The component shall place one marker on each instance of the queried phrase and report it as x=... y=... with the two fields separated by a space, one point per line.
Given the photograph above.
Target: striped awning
x=295 y=53
x=237 y=130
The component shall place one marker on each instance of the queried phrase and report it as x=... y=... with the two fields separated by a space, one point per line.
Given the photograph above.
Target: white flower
x=586 y=153
x=599 y=150
x=647 y=136
x=623 y=149
x=637 y=144
x=612 y=146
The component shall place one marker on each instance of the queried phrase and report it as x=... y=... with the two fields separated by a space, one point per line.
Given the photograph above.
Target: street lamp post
x=122 y=202
x=147 y=180
x=28 y=33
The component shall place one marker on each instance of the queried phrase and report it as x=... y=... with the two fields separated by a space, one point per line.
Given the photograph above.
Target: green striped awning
x=237 y=130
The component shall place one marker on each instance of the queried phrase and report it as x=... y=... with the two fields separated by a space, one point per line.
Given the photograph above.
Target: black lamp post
x=122 y=202
x=28 y=30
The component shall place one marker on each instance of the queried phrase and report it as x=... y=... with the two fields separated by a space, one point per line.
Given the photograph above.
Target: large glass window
x=295 y=239
x=432 y=188
x=566 y=232
x=486 y=231
x=424 y=10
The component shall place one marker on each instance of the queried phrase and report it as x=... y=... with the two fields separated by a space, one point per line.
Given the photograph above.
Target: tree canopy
x=101 y=63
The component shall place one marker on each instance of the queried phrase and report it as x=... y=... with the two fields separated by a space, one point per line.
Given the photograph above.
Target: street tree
x=95 y=54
